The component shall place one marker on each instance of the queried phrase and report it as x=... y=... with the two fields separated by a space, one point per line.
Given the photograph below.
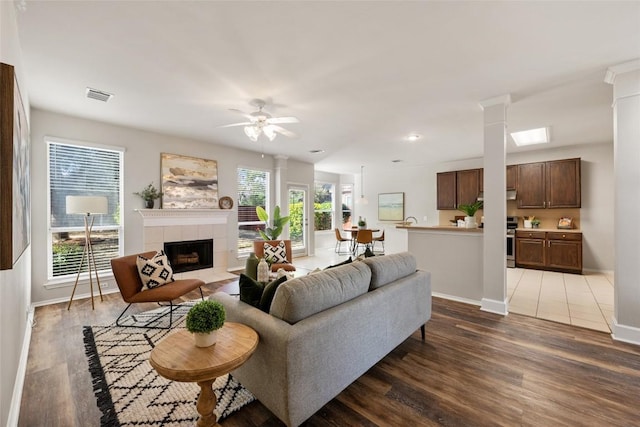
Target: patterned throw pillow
x=156 y=271
x=278 y=254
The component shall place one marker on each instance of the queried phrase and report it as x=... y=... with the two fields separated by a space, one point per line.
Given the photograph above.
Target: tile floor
x=579 y=300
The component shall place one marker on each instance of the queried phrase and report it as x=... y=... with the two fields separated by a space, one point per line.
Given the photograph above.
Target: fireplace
x=189 y=255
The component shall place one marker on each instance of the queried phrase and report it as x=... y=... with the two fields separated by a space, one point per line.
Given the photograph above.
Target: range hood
x=511 y=195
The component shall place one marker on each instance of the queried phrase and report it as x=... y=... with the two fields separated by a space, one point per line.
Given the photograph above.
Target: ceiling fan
x=261 y=122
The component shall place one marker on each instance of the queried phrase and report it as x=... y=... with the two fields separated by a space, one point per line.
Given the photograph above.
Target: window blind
x=76 y=170
x=253 y=190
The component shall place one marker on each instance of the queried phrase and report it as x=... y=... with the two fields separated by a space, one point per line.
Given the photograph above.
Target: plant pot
x=149 y=204
x=527 y=224
x=205 y=339
x=470 y=222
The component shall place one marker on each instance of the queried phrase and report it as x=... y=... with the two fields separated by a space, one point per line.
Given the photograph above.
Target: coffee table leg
x=207 y=404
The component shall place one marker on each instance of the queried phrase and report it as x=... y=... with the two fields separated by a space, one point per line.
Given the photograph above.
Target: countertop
x=553 y=230
x=440 y=228
x=480 y=230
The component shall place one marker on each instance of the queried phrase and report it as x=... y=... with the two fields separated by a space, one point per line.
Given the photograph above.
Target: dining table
x=354 y=234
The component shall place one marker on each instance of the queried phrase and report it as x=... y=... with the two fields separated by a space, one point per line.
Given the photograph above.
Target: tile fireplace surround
x=175 y=225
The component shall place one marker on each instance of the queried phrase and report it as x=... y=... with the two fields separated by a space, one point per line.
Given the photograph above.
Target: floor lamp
x=87 y=206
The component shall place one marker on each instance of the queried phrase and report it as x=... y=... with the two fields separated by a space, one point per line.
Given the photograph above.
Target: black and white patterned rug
x=130 y=392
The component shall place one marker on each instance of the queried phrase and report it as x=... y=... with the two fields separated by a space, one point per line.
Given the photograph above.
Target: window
x=82 y=170
x=323 y=206
x=347 y=205
x=253 y=190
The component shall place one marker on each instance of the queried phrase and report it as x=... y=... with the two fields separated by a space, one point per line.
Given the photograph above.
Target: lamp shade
x=87 y=205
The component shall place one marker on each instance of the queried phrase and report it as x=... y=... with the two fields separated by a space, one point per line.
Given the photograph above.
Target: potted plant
x=470 y=210
x=362 y=223
x=535 y=222
x=271 y=233
x=203 y=320
x=149 y=194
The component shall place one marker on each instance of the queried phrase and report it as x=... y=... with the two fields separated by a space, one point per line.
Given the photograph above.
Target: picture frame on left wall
x=15 y=186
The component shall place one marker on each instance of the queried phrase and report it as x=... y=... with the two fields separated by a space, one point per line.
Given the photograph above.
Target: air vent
x=98 y=95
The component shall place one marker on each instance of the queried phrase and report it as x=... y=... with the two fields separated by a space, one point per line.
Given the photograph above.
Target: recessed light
x=318 y=151
x=413 y=137
x=531 y=136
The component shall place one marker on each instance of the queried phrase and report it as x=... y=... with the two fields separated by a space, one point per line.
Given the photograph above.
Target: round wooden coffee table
x=177 y=358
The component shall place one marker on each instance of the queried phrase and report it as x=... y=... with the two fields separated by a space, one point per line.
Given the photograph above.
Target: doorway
x=298 y=222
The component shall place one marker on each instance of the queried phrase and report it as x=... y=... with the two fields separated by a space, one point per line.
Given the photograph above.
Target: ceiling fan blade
x=235 y=124
x=274 y=120
x=284 y=131
x=242 y=113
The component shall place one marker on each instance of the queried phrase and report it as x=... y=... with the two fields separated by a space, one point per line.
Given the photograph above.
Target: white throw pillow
x=156 y=271
x=278 y=254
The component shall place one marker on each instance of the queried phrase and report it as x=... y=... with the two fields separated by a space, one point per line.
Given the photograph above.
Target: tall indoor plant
x=272 y=230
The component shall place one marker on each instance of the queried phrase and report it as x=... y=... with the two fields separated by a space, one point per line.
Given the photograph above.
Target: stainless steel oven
x=512 y=224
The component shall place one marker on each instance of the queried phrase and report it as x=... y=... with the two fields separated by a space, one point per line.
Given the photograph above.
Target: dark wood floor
x=475 y=369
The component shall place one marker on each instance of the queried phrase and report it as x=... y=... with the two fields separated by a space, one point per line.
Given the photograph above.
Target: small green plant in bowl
x=203 y=320
x=471 y=209
x=535 y=222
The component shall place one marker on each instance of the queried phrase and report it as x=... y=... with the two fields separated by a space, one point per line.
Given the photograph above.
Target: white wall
x=141 y=166
x=15 y=289
x=419 y=186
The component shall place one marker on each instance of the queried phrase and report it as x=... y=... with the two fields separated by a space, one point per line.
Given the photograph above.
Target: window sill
x=66 y=282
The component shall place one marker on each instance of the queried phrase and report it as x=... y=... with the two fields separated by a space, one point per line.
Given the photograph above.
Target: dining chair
x=380 y=239
x=364 y=238
x=339 y=241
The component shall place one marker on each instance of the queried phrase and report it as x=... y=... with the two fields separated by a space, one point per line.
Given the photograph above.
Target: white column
x=494 y=273
x=625 y=79
x=281 y=193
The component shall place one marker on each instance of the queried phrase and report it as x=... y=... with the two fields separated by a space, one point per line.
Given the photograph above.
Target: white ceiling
x=359 y=75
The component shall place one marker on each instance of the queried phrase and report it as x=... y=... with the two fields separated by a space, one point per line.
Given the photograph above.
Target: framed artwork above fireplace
x=188 y=182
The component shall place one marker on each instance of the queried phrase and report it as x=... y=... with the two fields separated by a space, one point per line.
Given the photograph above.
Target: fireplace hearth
x=189 y=255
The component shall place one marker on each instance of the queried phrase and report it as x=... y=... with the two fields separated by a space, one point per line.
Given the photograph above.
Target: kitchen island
x=453 y=256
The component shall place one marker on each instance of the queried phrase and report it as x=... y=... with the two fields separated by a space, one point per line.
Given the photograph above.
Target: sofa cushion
x=304 y=296
x=250 y=290
x=269 y=292
x=386 y=269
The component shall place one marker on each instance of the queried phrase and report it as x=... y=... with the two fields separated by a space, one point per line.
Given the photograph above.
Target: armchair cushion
x=155 y=271
x=258 y=249
x=277 y=253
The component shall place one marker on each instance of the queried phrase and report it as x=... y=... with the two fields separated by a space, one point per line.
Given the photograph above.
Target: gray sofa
x=326 y=329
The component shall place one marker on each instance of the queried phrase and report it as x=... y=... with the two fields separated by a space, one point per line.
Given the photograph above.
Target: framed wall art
x=188 y=182
x=391 y=206
x=15 y=186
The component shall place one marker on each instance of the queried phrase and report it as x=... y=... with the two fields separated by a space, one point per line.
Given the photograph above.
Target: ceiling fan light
x=269 y=132
x=252 y=132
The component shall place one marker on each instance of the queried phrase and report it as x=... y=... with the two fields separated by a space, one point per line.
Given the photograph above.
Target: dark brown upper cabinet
x=554 y=184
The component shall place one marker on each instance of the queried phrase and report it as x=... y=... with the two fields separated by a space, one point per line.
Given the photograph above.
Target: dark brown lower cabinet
x=551 y=250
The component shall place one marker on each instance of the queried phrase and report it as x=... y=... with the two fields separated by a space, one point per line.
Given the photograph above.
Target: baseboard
x=596 y=271
x=455 y=298
x=628 y=334
x=494 y=306
x=76 y=297
x=18 y=386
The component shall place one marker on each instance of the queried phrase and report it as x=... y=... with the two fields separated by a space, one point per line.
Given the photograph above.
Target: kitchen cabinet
x=512 y=177
x=446 y=182
x=553 y=184
x=467 y=186
x=457 y=188
x=557 y=251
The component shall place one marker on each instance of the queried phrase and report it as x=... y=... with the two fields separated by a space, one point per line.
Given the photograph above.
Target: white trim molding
x=495 y=306
x=164 y=217
x=624 y=333
x=612 y=72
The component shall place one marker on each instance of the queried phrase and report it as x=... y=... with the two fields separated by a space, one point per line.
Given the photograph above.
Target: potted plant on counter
x=149 y=194
x=470 y=210
x=203 y=321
